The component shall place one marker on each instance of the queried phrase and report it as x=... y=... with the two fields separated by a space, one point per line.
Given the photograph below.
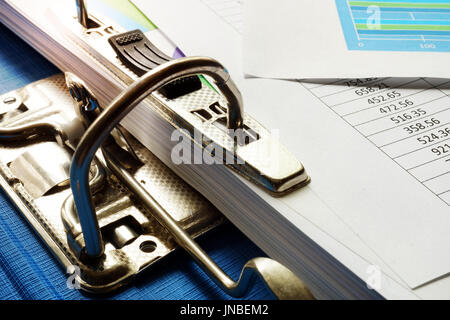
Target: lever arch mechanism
x=192 y=103
x=141 y=211
x=119 y=209
x=274 y=274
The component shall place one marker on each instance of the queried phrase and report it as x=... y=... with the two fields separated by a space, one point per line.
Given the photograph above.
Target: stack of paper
x=377 y=210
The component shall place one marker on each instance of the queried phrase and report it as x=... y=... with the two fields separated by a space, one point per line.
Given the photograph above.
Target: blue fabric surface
x=28 y=269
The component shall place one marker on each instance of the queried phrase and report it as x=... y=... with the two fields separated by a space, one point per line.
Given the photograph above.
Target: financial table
x=407 y=119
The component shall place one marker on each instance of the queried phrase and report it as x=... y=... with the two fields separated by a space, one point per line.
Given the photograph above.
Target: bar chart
x=396 y=25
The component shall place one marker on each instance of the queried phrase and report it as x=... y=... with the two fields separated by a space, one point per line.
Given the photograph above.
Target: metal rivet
x=9 y=100
x=148 y=246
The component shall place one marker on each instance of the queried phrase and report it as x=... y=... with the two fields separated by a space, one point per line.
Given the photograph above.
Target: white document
x=361 y=174
x=294 y=39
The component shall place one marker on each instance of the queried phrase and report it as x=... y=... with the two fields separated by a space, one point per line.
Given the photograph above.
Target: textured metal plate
x=263 y=161
x=116 y=206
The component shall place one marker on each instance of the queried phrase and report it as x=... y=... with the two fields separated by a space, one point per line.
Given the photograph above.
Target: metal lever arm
x=280 y=280
x=119 y=108
x=82 y=13
x=23 y=132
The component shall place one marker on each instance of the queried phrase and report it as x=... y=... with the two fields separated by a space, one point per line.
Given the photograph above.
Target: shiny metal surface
x=42 y=167
x=87 y=108
x=279 y=279
x=263 y=161
x=43 y=115
x=114 y=204
x=97 y=133
x=48 y=101
x=123 y=235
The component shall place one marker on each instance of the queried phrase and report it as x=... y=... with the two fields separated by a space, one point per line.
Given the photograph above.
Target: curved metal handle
x=283 y=283
x=118 y=109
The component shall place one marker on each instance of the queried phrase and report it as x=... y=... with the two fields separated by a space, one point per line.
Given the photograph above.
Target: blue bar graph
x=396 y=25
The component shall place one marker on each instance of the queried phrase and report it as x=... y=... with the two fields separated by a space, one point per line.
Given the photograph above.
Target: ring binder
x=94 y=138
x=125 y=210
x=49 y=113
x=128 y=193
x=249 y=147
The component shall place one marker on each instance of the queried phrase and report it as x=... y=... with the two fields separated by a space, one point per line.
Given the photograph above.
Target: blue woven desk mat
x=29 y=271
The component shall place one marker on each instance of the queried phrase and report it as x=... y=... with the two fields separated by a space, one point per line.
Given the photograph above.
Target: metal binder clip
x=39 y=128
x=133 y=193
x=283 y=283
